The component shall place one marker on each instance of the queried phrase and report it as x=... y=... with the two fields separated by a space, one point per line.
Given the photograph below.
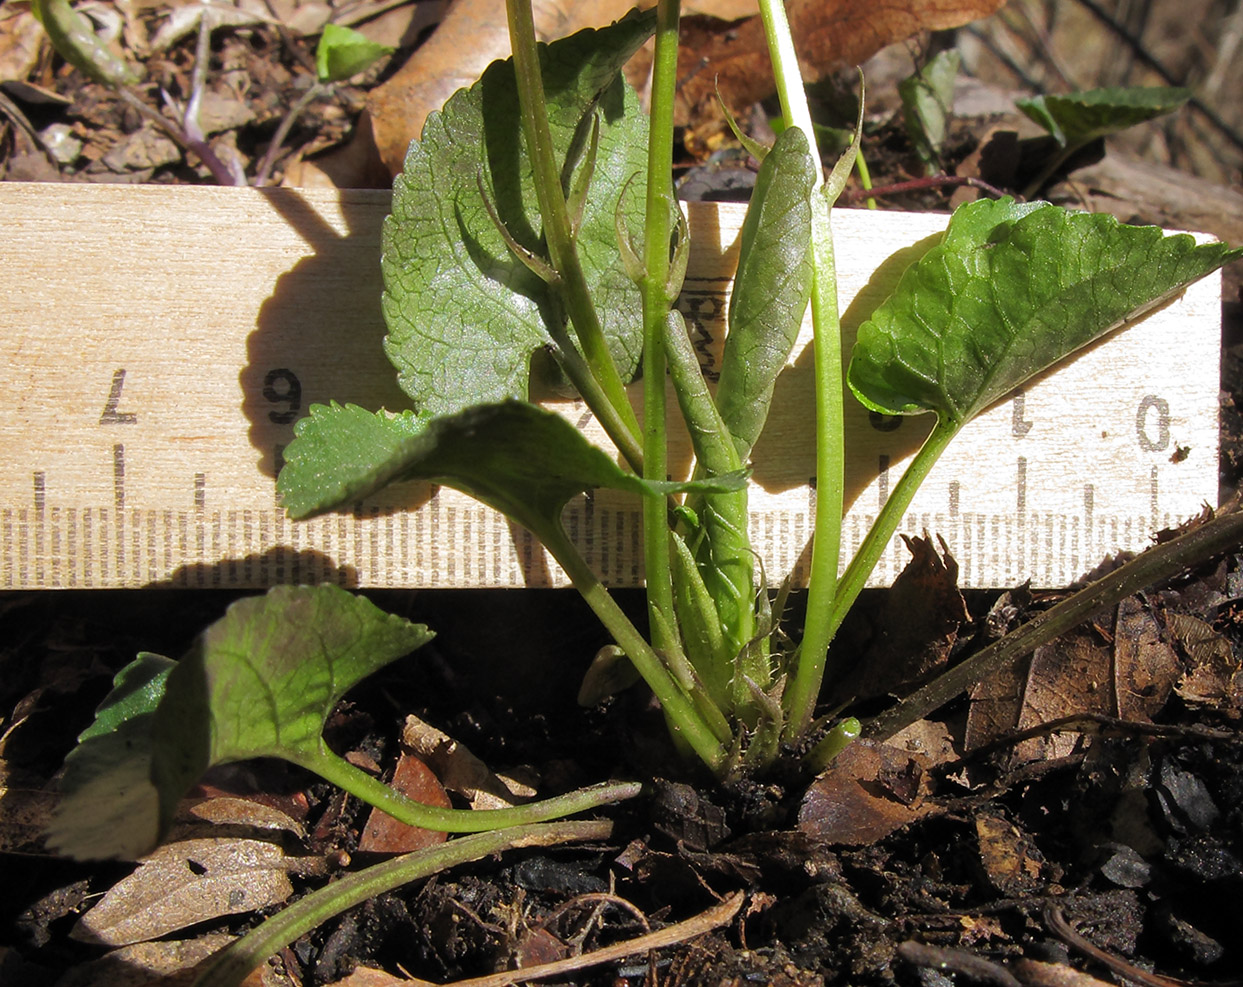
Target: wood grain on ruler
x=161 y=342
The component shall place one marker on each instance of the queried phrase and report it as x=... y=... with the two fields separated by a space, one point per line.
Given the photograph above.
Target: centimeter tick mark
x=118 y=476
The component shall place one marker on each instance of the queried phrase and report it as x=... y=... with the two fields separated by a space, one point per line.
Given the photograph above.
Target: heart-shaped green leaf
x=518 y=458
x=771 y=288
x=1009 y=291
x=464 y=314
x=259 y=682
x=1076 y=118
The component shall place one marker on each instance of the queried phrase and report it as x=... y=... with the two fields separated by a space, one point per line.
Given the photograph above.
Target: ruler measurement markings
x=451 y=556
x=6 y=523
x=114 y=546
x=40 y=502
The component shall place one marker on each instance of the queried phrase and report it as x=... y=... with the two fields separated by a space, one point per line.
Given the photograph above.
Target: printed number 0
x=1151 y=402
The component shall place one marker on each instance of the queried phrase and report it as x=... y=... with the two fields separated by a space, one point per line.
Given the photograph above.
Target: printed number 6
x=290 y=395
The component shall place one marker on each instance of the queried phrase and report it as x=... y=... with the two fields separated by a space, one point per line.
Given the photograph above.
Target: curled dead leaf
x=869 y=791
x=1212 y=675
x=919 y=626
x=460 y=771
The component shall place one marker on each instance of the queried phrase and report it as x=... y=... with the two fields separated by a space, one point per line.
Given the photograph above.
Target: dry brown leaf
x=931 y=740
x=184 y=883
x=383 y=833
x=828 y=34
x=21 y=37
x=995 y=704
x=869 y=791
x=1069 y=675
x=1130 y=677
x=148 y=964
x=472 y=35
x=1212 y=676
x=1011 y=861
x=228 y=810
x=918 y=626
x=1145 y=666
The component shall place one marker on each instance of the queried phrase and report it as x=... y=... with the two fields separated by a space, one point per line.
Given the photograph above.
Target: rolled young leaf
x=771 y=288
x=927 y=103
x=1011 y=290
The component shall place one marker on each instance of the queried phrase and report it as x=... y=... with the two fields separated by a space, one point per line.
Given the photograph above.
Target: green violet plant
x=536 y=218
x=515 y=231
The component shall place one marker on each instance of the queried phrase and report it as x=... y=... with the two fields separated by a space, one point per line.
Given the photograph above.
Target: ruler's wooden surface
x=160 y=343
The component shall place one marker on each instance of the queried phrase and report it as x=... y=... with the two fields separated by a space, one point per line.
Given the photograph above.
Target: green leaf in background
x=927 y=104
x=261 y=681
x=1076 y=118
x=1011 y=290
x=109 y=807
x=516 y=457
x=464 y=314
x=771 y=288
x=343 y=52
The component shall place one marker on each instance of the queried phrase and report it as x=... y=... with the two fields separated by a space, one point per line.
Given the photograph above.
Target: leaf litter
x=973 y=847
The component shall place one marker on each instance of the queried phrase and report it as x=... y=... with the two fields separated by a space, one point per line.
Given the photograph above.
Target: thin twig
x=970 y=965
x=1100 y=724
x=264 y=171
x=923 y=184
x=1061 y=928
x=713 y=918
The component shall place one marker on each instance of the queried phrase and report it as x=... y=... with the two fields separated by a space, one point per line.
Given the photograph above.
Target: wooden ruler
x=161 y=342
